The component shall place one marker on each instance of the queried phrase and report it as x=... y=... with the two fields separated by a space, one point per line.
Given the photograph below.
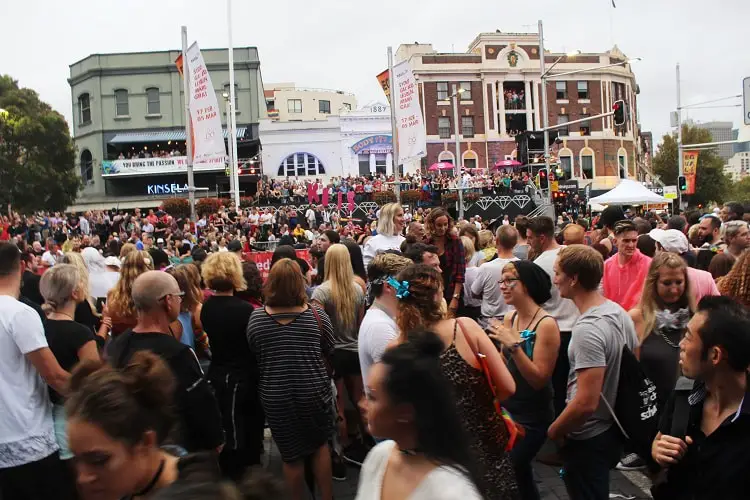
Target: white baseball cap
x=112 y=261
x=671 y=240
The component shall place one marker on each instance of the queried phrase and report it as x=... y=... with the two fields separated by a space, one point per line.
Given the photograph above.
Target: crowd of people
x=143 y=356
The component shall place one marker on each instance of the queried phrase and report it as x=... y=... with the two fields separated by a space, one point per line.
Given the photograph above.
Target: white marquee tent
x=628 y=192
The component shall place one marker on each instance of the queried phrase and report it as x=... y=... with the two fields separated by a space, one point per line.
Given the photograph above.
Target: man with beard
x=709 y=230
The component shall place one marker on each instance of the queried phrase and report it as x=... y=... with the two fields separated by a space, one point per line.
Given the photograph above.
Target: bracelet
x=514 y=347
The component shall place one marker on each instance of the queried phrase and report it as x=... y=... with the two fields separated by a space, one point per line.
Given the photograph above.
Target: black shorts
x=345 y=364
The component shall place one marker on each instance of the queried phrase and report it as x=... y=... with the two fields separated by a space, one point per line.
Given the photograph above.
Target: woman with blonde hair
x=667 y=304
x=126 y=250
x=233 y=370
x=487 y=245
x=419 y=289
x=736 y=283
x=70 y=341
x=390 y=227
x=190 y=330
x=120 y=306
x=343 y=300
x=85 y=312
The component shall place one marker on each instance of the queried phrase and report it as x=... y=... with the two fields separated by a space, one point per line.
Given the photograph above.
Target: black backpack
x=636 y=411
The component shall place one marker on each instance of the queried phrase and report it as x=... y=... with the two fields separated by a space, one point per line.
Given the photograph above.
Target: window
x=561 y=90
x=270 y=105
x=294 y=105
x=324 y=107
x=301 y=165
x=347 y=106
x=236 y=95
x=380 y=164
x=442 y=91
x=583 y=90
x=466 y=88
x=87 y=166
x=84 y=109
x=587 y=166
x=445 y=156
x=444 y=127
x=154 y=105
x=566 y=165
x=623 y=167
x=467 y=126
x=585 y=127
x=364 y=164
x=560 y=120
x=122 y=108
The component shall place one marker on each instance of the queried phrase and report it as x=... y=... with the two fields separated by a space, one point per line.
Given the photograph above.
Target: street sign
x=670 y=192
x=746 y=99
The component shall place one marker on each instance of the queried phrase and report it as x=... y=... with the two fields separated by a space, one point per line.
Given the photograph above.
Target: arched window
x=84 y=109
x=154 y=103
x=622 y=163
x=446 y=156
x=301 y=165
x=588 y=163
x=566 y=163
x=122 y=107
x=87 y=166
x=469 y=159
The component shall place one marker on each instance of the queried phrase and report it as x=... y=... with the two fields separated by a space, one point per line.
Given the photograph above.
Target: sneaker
x=338 y=468
x=355 y=453
x=631 y=461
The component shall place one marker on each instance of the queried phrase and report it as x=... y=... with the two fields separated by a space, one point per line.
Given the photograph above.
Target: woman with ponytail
x=410 y=403
x=419 y=289
x=118 y=419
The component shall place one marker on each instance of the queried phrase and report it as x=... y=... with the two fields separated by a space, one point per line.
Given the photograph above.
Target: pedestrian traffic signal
x=543 y=180
x=682 y=183
x=619 y=109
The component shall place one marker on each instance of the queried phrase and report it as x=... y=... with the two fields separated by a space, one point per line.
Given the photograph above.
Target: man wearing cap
x=674 y=241
x=236 y=247
x=626 y=271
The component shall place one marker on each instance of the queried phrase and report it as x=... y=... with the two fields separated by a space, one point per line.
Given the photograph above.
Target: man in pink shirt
x=625 y=272
x=674 y=241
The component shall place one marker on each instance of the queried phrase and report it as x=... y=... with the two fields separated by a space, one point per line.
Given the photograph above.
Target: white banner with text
x=208 y=140
x=412 y=139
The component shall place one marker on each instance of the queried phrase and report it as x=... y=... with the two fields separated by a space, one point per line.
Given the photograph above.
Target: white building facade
x=354 y=143
x=286 y=102
x=738 y=166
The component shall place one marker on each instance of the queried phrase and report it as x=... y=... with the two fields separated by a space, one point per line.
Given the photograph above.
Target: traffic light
x=682 y=183
x=619 y=108
x=543 y=180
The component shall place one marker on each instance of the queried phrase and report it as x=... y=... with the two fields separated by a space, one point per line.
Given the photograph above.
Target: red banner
x=263 y=260
x=384 y=81
x=690 y=169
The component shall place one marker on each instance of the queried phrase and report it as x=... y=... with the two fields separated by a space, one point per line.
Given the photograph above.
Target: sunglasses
x=172 y=294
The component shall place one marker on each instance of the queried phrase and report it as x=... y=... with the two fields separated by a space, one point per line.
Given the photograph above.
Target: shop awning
x=161 y=136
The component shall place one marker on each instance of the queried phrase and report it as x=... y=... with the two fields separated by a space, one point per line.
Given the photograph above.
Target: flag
x=383 y=80
x=178 y=62
x=208 y=138
x=410 y=130
x=690 y=169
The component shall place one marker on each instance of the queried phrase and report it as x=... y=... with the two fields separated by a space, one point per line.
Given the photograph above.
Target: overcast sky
x=341 y=44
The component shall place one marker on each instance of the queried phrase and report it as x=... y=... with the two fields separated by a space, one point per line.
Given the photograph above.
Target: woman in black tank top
x=530 y=341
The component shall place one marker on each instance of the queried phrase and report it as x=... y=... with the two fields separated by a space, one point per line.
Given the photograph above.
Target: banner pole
x=188 y=132
x=232 y=119
x=394 y=138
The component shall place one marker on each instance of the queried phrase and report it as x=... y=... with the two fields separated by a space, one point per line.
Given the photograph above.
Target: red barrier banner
x=263 y=260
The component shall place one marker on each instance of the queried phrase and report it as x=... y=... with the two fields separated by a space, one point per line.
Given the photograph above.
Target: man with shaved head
x=157 y=299
x=573 y=234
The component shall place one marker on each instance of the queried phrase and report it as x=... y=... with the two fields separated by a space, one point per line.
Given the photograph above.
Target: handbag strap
x=479 y=356
x=317 y=316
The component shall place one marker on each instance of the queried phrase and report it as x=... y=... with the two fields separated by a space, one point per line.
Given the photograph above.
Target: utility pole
x=679 y=137
x=188 y=125
x=394 y=125
x=545 y=113
x=232 y=117
x=458 y=162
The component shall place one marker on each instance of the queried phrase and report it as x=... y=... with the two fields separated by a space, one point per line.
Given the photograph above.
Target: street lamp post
x=232 y=162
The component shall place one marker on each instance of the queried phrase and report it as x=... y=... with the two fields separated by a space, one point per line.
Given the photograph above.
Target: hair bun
x=426 y=343
x=149 y=378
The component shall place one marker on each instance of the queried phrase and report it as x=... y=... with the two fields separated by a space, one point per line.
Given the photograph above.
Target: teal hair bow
x=402 y=287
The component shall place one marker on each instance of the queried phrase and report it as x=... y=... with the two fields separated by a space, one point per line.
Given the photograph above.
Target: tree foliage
x=711 y=184
x=37 y=155
x=741 y=191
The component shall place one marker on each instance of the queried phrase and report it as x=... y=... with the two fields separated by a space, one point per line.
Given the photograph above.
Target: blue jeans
x=587 y=463
x=522 y=455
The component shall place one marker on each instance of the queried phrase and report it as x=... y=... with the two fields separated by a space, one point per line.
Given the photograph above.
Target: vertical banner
x=208 y=148
x=383 y=80
x=690 y=169
x=412 y=139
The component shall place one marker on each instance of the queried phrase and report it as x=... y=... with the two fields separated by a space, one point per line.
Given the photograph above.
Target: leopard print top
x=486 y=429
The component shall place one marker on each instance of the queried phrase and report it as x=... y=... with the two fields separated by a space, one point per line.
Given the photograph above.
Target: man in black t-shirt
x=157 y=299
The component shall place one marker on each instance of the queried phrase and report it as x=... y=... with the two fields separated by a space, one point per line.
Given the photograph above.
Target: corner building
x=501 y=80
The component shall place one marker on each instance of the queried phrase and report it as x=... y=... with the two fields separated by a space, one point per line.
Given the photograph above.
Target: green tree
x=711 y=184
x=37 y=155
x=741 y=190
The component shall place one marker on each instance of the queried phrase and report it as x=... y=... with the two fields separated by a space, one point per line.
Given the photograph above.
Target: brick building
x=500 y=78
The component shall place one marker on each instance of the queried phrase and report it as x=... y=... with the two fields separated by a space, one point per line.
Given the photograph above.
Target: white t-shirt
x=379 y=244
x=50 y=258
x=26 y=429
x=442 y=483
x=563 y=310
x=375 y=332
x=101 y=282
